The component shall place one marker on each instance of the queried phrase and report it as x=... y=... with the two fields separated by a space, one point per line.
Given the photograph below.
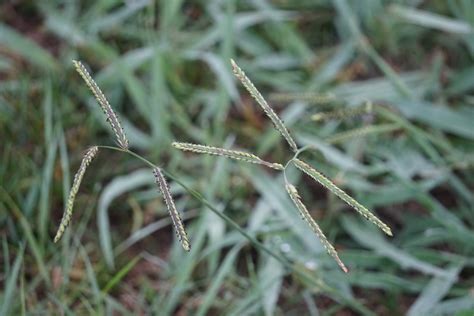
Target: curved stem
x=128 y=151
x=284 y=175
x=299 y=151
x=112 y=147
x=304 y=274
x=303 y=149
x=198 y=196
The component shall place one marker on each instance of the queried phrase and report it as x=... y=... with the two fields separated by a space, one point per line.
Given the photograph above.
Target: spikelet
x=295 y=197
x=311 y=98
x=362 y=210
x=343 y=113
x=277 y=122
x=104 y=104
x=234 y=154
x=175 y=217
x=66 y=219
x=362 y=131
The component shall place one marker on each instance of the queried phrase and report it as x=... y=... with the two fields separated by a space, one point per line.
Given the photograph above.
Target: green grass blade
x=28 y=232
x=432 y=20
x=10 y=284
x=224 y=269
x=120 y=275
x=364 y=45
x=436 y=289
x=25 y=47
x=114 y=189
x=375 y=241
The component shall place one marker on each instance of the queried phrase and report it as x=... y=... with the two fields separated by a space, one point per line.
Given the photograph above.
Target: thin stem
x=284 y=175
x=317 y=282
x=198 y=196
x=295 y=156
x=128 y=151
x=141 y=158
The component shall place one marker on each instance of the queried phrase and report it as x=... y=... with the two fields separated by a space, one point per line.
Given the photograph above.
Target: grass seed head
x=362 y=210
x=233 y=154
x=175 y=217
x=295 y=197
x=112 y=118
x=344 y=113
x=67 y=215
x=277 y=122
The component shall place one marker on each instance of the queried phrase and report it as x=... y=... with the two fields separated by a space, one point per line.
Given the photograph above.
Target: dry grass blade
x=104 y=104
x=175 y=217
x=234 y=154
x=66 y=219
x=277 y=122
x=313 y=173
x=295 y=197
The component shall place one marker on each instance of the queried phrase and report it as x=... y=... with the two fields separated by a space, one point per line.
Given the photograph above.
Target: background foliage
x=164 y=66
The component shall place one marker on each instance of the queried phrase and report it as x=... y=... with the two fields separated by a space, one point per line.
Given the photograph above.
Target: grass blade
x=28 y=49
x=434 y=291
x=120 y=275
x=35 y=248
x=10 y=284
x=432 y=20
x=225 y=268
x=111 y=191
x=373 y=240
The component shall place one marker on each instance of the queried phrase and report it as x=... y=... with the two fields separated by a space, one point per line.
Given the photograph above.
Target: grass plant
x=164 y=67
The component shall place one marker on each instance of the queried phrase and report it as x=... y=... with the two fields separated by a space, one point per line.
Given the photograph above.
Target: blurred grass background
x=164 y=65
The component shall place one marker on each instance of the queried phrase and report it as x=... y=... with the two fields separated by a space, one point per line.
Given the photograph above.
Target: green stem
x=317 y=282
x=128 y=151
x=299 y=151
